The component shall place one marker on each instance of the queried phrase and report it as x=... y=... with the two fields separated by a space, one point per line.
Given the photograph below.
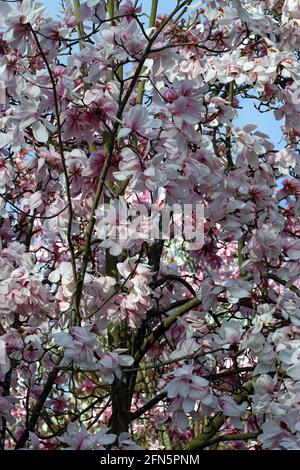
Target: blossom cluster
x=146 y=343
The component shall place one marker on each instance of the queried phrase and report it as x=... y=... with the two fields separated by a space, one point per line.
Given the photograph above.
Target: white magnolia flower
x=79 y=439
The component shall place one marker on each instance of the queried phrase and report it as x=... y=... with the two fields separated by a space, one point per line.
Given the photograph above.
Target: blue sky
x=248 y=115
x=163 y=5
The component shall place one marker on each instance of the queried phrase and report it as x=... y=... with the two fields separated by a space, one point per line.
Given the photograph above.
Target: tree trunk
x=120 y=418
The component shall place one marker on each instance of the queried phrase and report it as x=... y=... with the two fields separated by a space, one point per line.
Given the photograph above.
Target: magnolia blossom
x=185 y=389
x=110 y=364
x=126 y=443
x=230 y=408
x=79 y=439
x=136 y=120
x=266 y=389
x=286 y=159
x=117 y=129
x=289 y=354
x=78 y=345
x=291 y=9
x=229 y=334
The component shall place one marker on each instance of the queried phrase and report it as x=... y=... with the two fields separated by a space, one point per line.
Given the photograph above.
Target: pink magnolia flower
x=137 y=120
x=187 y=106
x=77 y=124
x=185 y=389
x=231 y=408
x=266 y=389
x=129 y=167
x=229 y=335
x=110 y=364
x=16 y=19
x=76 y=162
x=273 y=435
x=126 y=443
x=288 y=304
x=286 y=160
x=78 y=345
x=290 y=187
x=94 y=164
x=75 y=132
x=291 y=8
x=79 y=439
x=126 y=9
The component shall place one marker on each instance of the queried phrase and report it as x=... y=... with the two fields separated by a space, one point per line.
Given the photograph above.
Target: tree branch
x=215 y=423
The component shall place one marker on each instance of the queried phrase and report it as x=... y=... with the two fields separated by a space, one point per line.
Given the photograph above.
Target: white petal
x=124 y=132
x=115 y=249
x=40 y=132
x=188 y=405
x=294 y=371
x=54 y=276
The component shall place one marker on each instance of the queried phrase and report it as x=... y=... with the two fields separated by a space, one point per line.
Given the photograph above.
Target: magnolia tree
x=117 y=332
